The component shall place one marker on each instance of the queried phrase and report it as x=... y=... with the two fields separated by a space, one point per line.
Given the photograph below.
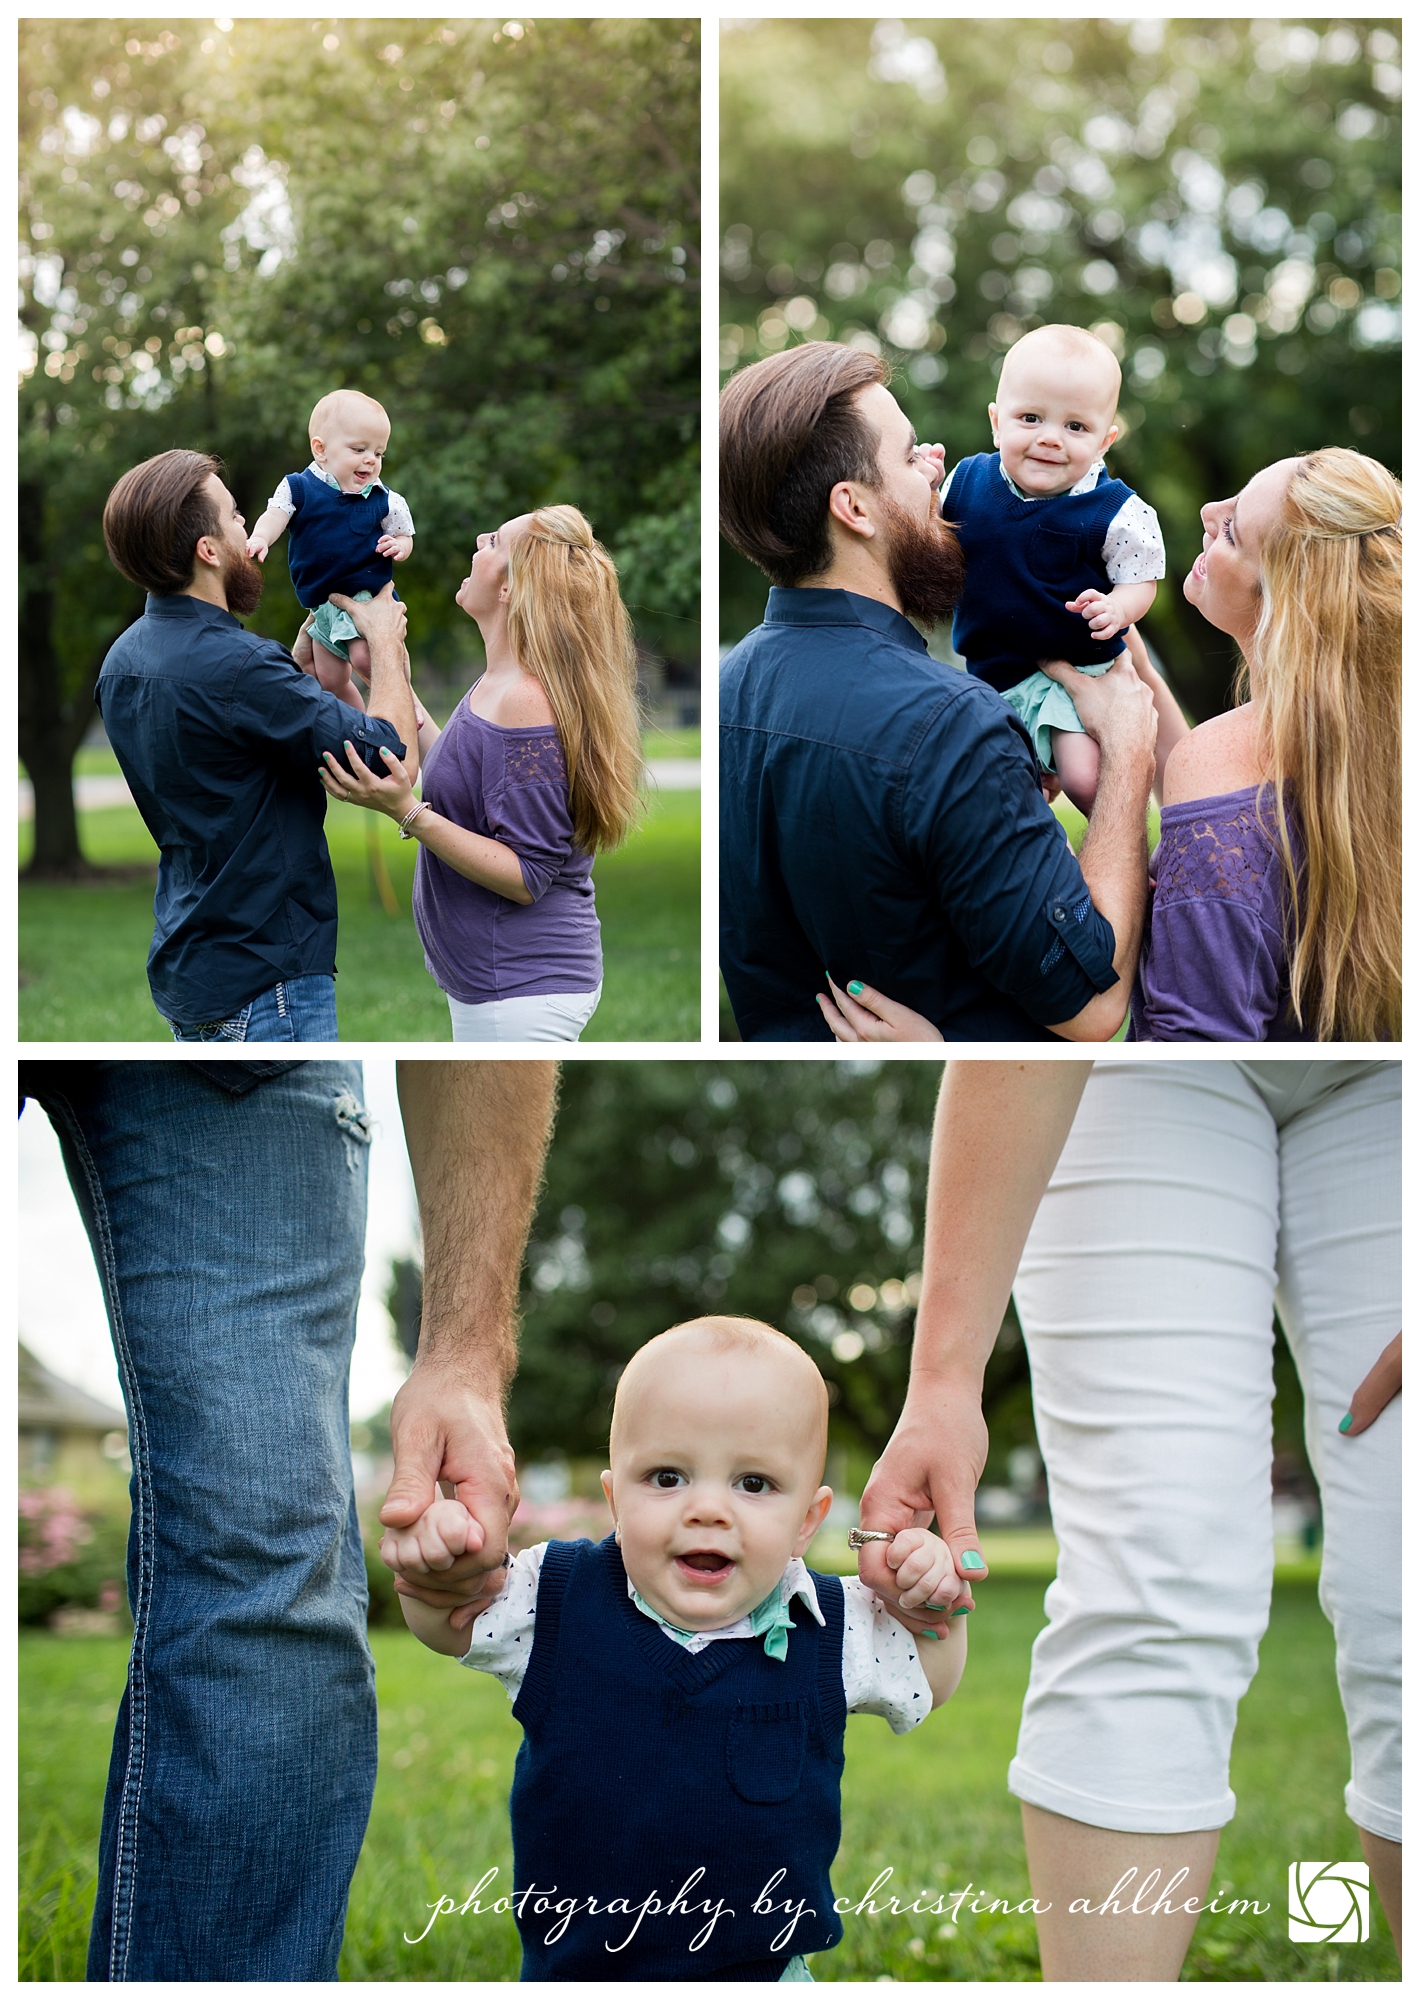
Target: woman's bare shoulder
x=1218 y=756
x=521 y=704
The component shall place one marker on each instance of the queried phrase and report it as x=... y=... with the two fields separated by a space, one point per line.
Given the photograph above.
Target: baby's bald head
x=721 y=1361
x=346 y=409
x=1053 y=352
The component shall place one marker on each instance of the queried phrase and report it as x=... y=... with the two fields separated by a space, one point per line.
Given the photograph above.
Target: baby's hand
x=257 y=548
x=1101 y=612
x=437 y=1538
x=401 y=547
x=932 y=459
x=926 y=1575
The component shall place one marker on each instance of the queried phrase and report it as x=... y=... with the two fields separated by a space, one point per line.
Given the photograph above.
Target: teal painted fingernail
x=934 y=1607
x=962 y=1611
x=929 y=1635
x=971 y=1560
x=855 y=987
x=1345 y=1423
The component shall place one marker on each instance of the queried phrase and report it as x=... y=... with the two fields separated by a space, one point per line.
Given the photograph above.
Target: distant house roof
x=49 y=1404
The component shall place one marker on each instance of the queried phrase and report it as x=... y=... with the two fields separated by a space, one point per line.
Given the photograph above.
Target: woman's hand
x=1380 y=1387
x=863 y=1015
x=359 y=786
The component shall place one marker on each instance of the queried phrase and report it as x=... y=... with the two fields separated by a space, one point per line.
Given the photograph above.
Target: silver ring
x=859 y=1538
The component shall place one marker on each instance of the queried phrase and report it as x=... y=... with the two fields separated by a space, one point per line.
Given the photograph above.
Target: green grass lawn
x=932 y=1807
x=83 y=946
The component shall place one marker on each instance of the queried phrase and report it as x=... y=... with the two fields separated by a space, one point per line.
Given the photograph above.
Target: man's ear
x=208 y=551
x=845 y=505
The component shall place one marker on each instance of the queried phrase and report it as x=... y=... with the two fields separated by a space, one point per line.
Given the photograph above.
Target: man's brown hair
x=155 y=517
x=789 y=432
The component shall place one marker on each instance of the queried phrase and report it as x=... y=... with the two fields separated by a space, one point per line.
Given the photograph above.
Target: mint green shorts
x=797 y=1968
x=1043 y=705
x=333 y=628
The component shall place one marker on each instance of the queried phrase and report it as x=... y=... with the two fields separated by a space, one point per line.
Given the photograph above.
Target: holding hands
x=927 y=1581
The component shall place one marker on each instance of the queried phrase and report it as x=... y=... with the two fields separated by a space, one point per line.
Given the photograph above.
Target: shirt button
x=1059 y=913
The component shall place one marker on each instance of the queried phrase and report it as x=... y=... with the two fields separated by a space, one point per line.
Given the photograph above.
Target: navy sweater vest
x=1025 y=560
x=642 y=1764
x=332 y=540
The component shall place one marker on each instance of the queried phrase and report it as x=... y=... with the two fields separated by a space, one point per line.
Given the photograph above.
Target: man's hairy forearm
x=392 y=697
x=477 y=1134
x=1115 y=858
x=998 y=1133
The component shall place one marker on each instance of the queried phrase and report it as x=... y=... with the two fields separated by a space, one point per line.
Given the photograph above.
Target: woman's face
x=1224 y=581
x=486 y=585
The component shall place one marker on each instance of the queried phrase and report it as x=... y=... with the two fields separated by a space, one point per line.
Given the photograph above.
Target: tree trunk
x=51 y=727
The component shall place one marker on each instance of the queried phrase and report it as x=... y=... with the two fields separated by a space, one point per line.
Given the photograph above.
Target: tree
x=789 y=1192
x=490 y=226
x=1219 y=200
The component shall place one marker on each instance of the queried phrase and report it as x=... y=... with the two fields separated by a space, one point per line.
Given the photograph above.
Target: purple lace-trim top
x=510 y=785
x=1214 y=963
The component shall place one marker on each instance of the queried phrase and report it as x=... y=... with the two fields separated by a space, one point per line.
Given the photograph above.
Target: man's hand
x=400 y=547
x=931 y=1466
x=440 y=1428
x=1116 y=709
x=376 y=618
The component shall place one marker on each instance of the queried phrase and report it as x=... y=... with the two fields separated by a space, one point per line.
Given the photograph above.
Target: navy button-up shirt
x=881 y=819
x=219 y=735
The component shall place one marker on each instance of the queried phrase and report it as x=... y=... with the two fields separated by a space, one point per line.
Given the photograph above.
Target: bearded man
x=220 y=736
x=883 y=826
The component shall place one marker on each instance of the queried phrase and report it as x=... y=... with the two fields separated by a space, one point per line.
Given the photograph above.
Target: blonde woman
x=1268 y=925
x=535 y=773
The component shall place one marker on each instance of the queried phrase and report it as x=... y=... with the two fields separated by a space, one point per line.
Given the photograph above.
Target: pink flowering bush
x=68 y=1555
x=558 y=1520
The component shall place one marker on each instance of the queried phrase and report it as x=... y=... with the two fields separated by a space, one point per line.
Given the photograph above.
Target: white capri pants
x=1188 y=1196
x=540 y=1017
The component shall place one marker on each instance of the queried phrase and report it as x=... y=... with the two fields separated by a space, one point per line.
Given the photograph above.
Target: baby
x=347 y=530
x=683 y=1685
x=1060 y=558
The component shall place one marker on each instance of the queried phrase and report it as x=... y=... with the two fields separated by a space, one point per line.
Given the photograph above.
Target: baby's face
x=1052 y=418
x=714 y=1483
x=354 y=452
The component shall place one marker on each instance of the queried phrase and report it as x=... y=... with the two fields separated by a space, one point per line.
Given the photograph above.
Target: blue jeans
x=226 y=1209
x=293 y=1010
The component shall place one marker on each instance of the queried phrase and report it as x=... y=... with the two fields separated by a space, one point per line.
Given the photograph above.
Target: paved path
x=667 y=774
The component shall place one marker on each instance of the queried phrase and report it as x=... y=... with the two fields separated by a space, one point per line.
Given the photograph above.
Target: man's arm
x=381 y=623
x=998 y=1133
x=1117 y=710
x=477 y=1134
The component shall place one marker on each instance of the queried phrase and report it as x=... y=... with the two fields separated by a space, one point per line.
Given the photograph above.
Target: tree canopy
x=1218 y=199
x=489 y=226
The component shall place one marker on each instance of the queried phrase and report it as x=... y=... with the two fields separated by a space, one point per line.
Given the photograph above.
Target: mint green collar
x=1092 y=476
x=769 y=1619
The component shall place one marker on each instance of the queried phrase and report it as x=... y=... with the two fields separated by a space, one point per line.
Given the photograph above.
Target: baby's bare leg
x=333 y=673
x=359 y=651
x=1077 y=765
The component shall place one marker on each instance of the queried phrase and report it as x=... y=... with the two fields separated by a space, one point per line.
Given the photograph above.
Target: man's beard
x=925 y=563
x=242 y=580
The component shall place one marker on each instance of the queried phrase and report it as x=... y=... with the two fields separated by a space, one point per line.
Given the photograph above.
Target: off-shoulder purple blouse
x=509 y=785
x=1214 y=963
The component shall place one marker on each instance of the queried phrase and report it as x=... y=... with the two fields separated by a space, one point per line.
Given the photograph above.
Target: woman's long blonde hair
x=568 y=628
x=1325 y=683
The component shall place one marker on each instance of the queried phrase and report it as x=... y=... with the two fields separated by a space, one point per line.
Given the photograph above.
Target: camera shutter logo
x=1328 y=1902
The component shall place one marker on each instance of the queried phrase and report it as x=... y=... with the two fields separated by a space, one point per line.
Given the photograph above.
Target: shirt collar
x=1085 y=484
x=365 y=491
x=840 y=607
x=181 y=604
x=765 y=1619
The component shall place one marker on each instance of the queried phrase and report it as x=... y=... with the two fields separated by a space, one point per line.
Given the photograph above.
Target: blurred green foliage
x=1219 y=198
x=792 y=1192
x=492 y=227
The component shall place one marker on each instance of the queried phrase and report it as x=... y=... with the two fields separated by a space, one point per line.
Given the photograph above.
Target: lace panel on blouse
x=1225 y=854
x=534 y=760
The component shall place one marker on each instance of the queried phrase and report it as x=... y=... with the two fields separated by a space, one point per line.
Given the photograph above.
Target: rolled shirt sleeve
x=288 y=720
x=973 y=817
